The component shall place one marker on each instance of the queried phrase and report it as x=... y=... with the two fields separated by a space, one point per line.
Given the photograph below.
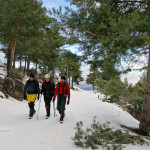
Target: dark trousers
x=61 y=103
x=47 y=100
x=31 y=107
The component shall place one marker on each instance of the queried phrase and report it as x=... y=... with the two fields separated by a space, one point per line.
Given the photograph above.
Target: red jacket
x=62 y=89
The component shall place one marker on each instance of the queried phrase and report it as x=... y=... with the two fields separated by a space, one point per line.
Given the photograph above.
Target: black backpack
x=64 y=87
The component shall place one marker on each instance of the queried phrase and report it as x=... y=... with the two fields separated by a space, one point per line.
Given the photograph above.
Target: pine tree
x=69 y=65
x=113 y=28
x=21 y=23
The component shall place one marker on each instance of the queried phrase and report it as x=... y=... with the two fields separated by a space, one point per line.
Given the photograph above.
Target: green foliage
x=38 y=36
x=72 y=62
x=134 y=95
x=93 y=77
x=126 y=95
x=107 y=29
x=103 y=135
x=113 y=88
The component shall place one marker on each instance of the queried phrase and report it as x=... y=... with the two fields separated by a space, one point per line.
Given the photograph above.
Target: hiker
x=48 y=89
x=63 y=90
x=31 y=91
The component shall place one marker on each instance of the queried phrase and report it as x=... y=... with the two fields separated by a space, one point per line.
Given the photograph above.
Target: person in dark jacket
x=31 y=91
x=63 y=90
x=48 y=89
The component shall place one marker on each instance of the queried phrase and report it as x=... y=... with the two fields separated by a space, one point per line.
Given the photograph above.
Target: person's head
x=47 y=77
x=31 y=76
x=63 y=79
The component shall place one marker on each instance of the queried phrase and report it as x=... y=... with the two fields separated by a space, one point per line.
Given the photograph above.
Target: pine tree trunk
x=69 y=80
x=67 y=71
x=25 y=66
x=11 y=51
x=20 y=61
x=36 y=65
x=72 y=83
x=145 y=116
x=14 y=61
x=8 y=60
x=28 y=64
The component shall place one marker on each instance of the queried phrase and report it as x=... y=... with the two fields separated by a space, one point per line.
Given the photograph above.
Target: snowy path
x=49 y=134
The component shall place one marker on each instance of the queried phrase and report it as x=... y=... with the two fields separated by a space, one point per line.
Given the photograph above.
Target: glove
x=53 y=99
x=38 y=97
x=68 y=101
x=25 y=96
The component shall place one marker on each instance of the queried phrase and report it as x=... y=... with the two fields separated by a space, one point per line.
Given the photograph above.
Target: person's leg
x=31 y=99
x=46 y=99
x=32 y=110
x=63 y=104
x=59 y=103
x=48 y=105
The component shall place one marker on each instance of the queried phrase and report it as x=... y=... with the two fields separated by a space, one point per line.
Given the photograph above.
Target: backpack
x=51 y=85
x=64 y=87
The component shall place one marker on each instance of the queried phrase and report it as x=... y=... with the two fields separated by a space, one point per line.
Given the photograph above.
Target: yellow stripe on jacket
x=31 y=97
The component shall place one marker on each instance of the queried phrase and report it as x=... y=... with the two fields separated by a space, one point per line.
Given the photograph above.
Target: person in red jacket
x=62 y=90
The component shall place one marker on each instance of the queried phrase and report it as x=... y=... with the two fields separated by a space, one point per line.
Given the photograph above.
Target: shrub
x=103 y=135
x=15 y=73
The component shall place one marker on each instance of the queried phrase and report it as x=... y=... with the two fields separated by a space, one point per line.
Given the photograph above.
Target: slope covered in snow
x=17 y=132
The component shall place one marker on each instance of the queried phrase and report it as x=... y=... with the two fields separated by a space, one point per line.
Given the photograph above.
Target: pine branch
x=141 y=2
x=93 y=34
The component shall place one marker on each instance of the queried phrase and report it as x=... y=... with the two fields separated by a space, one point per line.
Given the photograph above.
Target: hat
x=63 y=77
x=47 y=76
x=31 y=75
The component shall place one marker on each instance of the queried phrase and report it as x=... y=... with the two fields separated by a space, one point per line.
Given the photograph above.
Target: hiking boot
x=30 y=116
x=61 y=118
x=47 y=117
x=63 y=115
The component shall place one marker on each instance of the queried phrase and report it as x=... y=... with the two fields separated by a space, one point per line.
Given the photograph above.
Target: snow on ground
x=17 y=132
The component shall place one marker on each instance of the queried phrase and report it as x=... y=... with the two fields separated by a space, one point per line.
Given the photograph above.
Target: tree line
x=30 y=34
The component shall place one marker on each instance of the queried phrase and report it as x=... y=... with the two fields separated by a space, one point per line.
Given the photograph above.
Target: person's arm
x=68 y=91
x=25 y=87
x=56 y=91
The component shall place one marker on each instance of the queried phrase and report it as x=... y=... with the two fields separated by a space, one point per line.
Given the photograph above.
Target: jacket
x=48 y=88
x=32 y=87
x=63 y=89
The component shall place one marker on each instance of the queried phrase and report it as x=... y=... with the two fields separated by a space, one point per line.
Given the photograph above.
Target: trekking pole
x=39 y=107
x=54 y=108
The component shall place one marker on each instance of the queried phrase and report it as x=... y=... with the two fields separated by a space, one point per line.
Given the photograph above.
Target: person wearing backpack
x=31 y=91
x=62 y=91
x=48 y=89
